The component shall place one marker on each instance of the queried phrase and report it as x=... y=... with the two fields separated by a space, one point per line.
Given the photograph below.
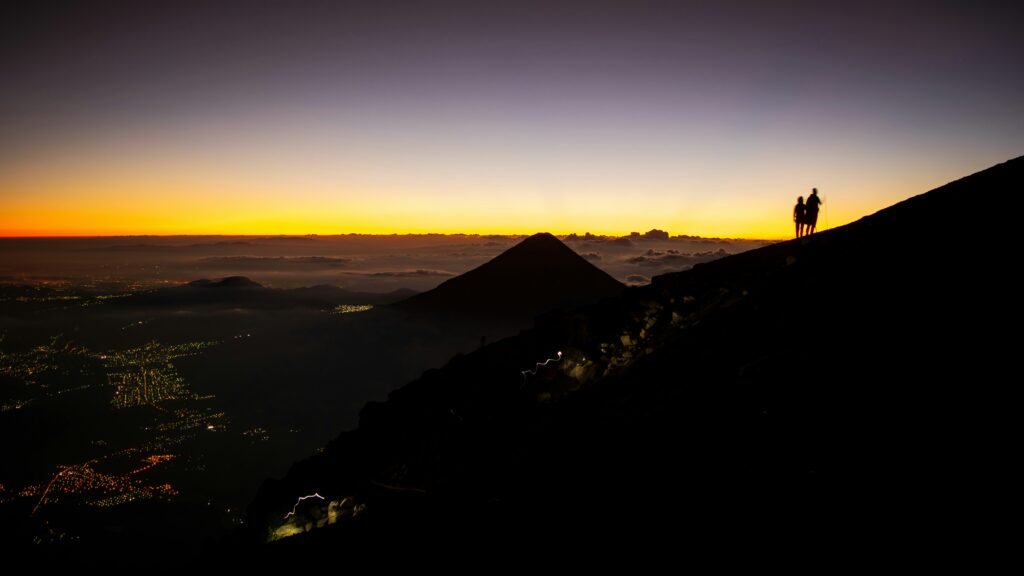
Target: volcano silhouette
x=537 y=275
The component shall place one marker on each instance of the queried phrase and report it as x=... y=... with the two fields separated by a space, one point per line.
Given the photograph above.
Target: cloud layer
x=357 y=262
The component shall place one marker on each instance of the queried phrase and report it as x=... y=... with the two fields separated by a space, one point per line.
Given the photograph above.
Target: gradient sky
x=701 y=118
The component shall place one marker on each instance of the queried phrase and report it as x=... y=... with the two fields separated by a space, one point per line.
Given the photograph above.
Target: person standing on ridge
x=799 y=215
x=811 y=220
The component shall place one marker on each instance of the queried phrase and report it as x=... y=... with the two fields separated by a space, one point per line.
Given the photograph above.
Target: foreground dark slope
x=844 y=385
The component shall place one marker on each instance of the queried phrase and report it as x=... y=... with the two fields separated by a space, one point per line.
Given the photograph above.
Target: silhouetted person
x=799 y=215
x=811 y=218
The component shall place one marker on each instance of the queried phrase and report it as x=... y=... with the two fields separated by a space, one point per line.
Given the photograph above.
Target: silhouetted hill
x=843 y=390
x=241 y=292
x=232 y=282
x=535 y=276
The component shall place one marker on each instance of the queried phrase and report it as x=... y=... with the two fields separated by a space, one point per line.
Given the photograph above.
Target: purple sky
x=696 y=117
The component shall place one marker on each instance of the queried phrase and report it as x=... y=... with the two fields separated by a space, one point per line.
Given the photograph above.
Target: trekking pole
x=824 y=200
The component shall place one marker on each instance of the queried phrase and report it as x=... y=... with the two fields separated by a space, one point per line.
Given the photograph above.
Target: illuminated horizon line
x=45 y=235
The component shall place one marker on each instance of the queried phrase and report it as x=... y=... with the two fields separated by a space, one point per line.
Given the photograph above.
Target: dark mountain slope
x=845 y=389
x=537 y=275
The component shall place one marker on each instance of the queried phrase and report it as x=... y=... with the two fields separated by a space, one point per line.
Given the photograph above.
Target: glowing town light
x=533 y=372
x=299 y=501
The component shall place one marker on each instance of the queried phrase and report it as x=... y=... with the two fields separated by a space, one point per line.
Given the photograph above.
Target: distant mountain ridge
x=227 y=282
x=537 y=275
x=242 y=292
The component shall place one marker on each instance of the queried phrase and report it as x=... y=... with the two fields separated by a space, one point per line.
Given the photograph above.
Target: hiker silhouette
x=799 y=215
x=811 y=213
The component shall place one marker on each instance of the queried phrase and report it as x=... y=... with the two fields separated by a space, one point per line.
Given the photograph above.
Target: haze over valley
x=162 y=379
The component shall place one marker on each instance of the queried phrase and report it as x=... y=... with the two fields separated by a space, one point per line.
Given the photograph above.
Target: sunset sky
x=704 y=118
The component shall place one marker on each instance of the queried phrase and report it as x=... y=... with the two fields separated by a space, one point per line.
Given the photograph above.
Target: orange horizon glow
x=149 y=194
x=233 y=178
x=62 y=225
x=118 y=212
x=69 y=223
x=300 y=229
